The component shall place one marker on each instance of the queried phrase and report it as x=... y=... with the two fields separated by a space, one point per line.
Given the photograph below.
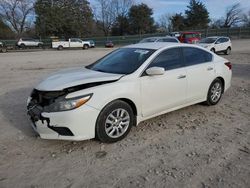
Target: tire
x=60 y=47
x=23 y=46
x=115 y=121
x=215 y=92
x=40 y=46
x=228 y=51
x=212 y=50
x=3 y=50
x=85 y=46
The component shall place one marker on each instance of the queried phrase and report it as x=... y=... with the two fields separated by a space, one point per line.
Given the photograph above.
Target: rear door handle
x=181 y=76
x=210 y=68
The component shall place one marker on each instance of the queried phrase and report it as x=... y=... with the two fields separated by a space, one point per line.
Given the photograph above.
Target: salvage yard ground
x=197 y=146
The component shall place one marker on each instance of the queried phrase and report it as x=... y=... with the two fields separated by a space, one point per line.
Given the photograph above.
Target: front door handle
x=210 y=68
x=181 y=76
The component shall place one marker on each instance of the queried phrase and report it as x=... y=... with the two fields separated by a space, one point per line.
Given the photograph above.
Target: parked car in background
x=29 y=42
x=3 y=47
x=71 y=43
x=160 y=39
x=109 y=44
x=174 y=34
x=217 y=44
x=129 y=85
x=189 y=37
x=92 y=43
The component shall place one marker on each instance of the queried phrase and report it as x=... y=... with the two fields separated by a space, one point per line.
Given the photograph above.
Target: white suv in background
x=29 y=42
x=217 y=44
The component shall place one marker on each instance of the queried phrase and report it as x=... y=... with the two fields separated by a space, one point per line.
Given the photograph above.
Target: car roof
x=190 y=32
x=166 y=37
x=157 y=45
x=218 y=37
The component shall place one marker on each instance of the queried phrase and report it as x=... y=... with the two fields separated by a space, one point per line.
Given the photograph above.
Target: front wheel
x=23 y=46
x=215 y=92
x=115 y=121
x=85 y=46
x=212 y=50
x=228 y=51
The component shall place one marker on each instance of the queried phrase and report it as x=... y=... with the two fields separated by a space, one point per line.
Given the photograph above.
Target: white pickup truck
x=71 y=43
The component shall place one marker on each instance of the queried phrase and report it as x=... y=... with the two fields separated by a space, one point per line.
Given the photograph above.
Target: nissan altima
x=131 y=84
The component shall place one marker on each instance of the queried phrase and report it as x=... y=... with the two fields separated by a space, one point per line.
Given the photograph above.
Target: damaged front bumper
x=77 y=124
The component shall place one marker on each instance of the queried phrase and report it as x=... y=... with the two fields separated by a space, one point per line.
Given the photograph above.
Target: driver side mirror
x=155 y=71
x=217 y=42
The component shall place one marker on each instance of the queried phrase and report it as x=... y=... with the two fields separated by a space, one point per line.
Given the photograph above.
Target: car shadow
x=13 y=107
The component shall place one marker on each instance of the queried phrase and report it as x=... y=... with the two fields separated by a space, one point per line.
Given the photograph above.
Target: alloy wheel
x=117 y=123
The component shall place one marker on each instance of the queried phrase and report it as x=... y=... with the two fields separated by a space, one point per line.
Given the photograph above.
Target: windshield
x=192 y=35
x=208 y=40
x=148 y=40
x=122 y=61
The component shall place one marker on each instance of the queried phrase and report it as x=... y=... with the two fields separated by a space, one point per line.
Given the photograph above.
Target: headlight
x=67 y=104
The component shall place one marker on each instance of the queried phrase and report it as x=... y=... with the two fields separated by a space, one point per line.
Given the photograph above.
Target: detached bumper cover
x=77 y=124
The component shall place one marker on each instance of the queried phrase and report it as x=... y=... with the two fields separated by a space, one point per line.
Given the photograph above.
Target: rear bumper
x=78 y=124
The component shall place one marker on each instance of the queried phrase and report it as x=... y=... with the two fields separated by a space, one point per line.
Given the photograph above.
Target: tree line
x=76 y=18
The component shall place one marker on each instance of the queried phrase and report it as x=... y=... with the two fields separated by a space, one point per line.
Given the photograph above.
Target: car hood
x=74 y=77
x=204 y=44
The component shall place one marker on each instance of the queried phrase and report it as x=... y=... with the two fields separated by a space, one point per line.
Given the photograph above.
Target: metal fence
x=233 y=33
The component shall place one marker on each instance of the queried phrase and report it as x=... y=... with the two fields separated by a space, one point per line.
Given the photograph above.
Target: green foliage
x=5 y=31
x=121 y=26
x=141 y=20
x=178 y=22
x=66 y=18
x=197 y=16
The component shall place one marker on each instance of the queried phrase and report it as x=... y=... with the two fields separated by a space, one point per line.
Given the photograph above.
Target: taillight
x=229 y=65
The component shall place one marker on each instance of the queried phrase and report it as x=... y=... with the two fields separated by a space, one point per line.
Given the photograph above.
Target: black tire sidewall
x=228 y=51
x=209 y=100
x=3 y=50
x=100 y=123
x=85 y=46
x=23 y=46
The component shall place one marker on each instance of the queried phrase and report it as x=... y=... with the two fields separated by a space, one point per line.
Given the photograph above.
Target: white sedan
x=127 y=86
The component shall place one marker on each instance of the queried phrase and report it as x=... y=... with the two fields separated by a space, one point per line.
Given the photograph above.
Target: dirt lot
x=197 y=146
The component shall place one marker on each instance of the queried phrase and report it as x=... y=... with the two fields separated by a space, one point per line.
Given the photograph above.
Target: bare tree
x=121 y=7
x=15 y=13
x=165 y=21
x=233 y=15
x=106 y=12
x=246 y=19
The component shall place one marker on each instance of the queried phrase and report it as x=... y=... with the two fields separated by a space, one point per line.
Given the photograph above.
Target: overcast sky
x=216 y=8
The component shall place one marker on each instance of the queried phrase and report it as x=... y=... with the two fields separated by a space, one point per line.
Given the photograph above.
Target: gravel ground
x=197 y=146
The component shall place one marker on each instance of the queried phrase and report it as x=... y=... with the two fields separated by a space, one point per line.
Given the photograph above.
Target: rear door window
x=195 y=56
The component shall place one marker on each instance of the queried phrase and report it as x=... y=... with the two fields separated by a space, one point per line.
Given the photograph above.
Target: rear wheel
x=228 y=51
x=60 y=47
x=215 y=92
x=115 y=121
x=4 y=50
x=40 y=46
